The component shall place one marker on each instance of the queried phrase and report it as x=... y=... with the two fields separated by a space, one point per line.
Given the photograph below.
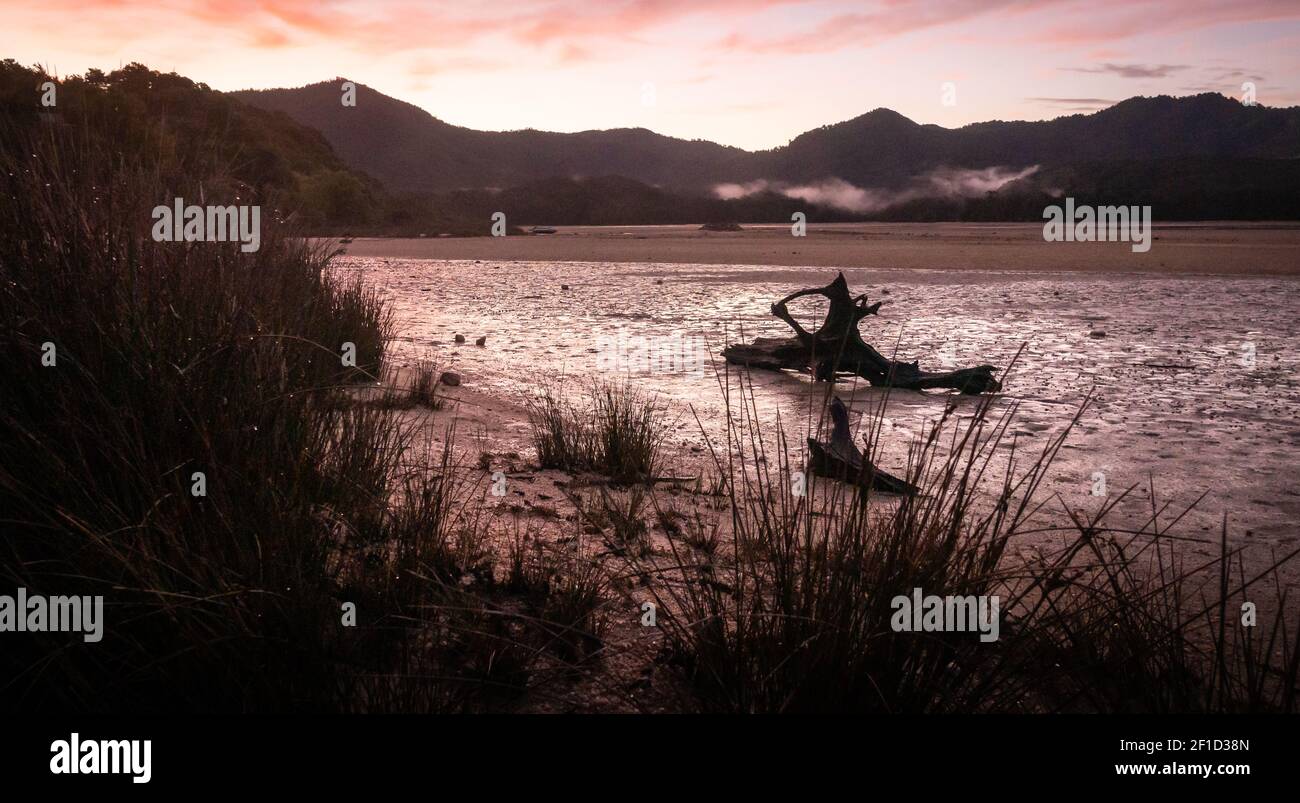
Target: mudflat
x=1188 y=350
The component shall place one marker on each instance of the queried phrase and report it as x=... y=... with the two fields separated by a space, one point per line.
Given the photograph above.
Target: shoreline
x=1266 y=250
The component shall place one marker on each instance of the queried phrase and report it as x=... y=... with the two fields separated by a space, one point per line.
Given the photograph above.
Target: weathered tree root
x=838 y=348
x=840 y=459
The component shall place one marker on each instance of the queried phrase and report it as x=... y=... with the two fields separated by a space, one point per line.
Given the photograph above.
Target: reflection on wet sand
x=1194 y=378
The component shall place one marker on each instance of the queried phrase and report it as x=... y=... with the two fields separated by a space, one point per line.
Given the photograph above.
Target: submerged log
x=840 y=459
x=837 y=347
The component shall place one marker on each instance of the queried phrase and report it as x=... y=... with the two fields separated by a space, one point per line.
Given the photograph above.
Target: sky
x=749 y=73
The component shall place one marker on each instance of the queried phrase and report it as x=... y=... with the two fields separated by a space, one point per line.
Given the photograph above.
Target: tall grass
x=181 y=365
x=617 y=431
x=796 y=615
x=421 y=389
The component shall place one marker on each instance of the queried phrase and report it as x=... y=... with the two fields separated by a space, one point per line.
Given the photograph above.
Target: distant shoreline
x=1223 y=248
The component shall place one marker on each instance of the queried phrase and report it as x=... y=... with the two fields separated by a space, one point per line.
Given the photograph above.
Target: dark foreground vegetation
x=791 y=612
x=184 y=366
x=192 y=454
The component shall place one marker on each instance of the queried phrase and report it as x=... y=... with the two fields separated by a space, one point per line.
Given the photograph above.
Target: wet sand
x=1254 y=249
x=1192 y=351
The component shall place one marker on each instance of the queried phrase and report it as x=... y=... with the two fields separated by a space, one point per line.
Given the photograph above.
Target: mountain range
x=388 y=167
x=410 y=150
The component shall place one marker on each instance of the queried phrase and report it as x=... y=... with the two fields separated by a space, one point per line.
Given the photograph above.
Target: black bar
x=990 y=753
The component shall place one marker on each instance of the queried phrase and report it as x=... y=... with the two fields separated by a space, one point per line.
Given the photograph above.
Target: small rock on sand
x=1097 y=333
x=450 y=378
x=482 y=341
x=460 y=338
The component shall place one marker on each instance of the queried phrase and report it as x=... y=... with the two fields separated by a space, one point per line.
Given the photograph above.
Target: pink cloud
x=1047 y=21
x=578 y=27
x=894 y=18
x=410 y=25
x=1111 y=20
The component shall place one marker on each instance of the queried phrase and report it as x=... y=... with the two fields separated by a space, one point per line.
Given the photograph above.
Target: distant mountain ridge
x=387 y=167
x=409 y=149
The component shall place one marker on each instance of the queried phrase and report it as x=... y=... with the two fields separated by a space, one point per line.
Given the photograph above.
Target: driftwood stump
x=840 y=459
x=837 y=347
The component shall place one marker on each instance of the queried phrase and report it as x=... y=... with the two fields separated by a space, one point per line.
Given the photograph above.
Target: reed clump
x=617 y=432
x=798 y=612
